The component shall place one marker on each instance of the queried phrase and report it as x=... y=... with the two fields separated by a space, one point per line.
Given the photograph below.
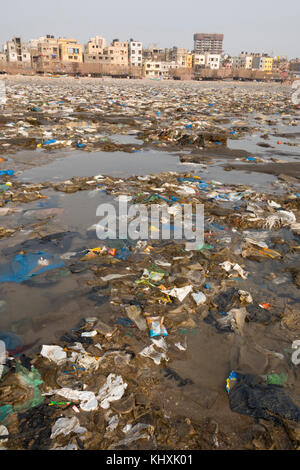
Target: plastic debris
x=135 y=314
x=113 y=390
x=54 y=353
x=199 y=298
x=88 y=400
x=179 y=292
x=156 y=326
x=65 y=426
x=25 y=266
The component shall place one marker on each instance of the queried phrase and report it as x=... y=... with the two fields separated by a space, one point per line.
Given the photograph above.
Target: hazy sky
x=270 y=26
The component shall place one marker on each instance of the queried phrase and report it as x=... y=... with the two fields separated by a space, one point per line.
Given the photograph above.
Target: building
x=94 y=45
x=2 y=58
x=294 y=67
x=212 y=43
x=135 y=53
x=280 y=65
x=263 y=63
x=178 y=55
x=156 y=69
x=206 y=60
x=226 y=61
x=199 y=60
x=17 y=51
x=116 y=53
x=93 y=50
x=156 y=54
x=243 y=61
x=45 y=51
x=189 y=61
x=212 y=61
x=70 y=50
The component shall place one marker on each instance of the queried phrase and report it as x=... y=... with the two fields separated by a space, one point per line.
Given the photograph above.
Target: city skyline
x=266 y=27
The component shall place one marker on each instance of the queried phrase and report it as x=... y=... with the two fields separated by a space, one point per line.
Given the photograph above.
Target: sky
x=270 y=26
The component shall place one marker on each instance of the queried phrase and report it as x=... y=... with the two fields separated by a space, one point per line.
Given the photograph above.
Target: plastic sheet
x=25 y=266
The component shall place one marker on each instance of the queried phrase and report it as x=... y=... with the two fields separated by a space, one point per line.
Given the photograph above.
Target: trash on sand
x=228 y=266
x=156 y=326
x=179 y=292
x=199 y=298
x=88 y=400
x=113 y=390
x=235 y=318
x=134 y=434
x=152 y=353
x=65 y=426
x=54 y=353
x=135 y=314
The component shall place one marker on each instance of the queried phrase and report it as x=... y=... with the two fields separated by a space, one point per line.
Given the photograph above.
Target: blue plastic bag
x=23 y=267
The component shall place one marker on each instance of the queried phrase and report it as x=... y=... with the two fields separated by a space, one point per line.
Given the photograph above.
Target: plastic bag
x=156 y=326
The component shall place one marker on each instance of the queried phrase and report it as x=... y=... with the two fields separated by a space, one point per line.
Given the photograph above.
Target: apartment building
x=199 y=59
x=135 y=53
x=263 y=63
x=70 y=50
x=94 y=45
x=45 y=51
x=207 y=60
x=93 y=50
x=280 y=64
x=212 y=61
x=212 y=43
x=243 y=61
x=178 y=55
x=156 y=54
x=17 y=51
x=156 y=69
x=294 y=67
x=2 y=58
x=116 y=53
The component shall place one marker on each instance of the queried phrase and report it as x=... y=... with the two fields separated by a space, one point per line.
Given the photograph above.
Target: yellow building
x=268 y=64
x=189 y=61
x=263 y=63
x=70 y=50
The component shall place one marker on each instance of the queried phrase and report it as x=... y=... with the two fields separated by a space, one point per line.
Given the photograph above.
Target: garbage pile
x=176 y=348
